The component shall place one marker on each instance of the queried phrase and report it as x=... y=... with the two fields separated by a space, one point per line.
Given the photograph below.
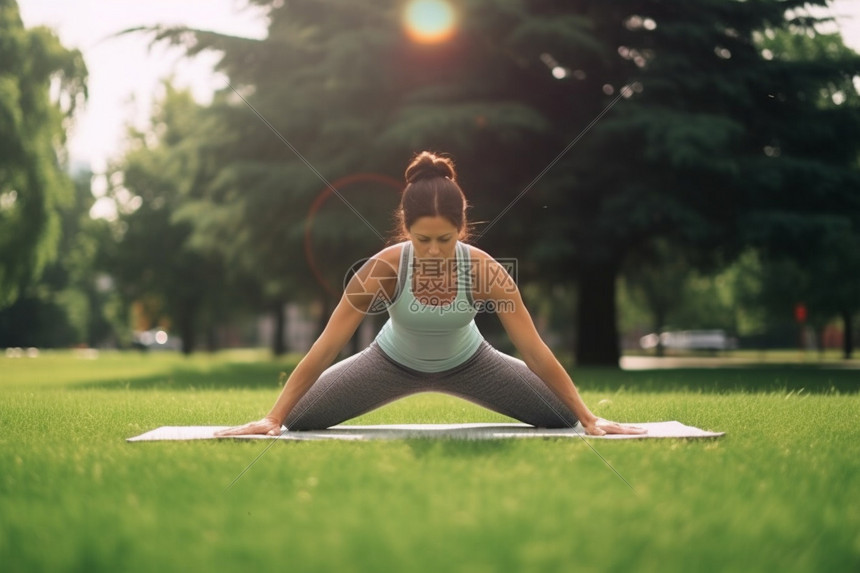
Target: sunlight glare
x=429 y=21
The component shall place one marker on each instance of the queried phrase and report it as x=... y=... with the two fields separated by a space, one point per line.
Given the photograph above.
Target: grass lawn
x=779 y=493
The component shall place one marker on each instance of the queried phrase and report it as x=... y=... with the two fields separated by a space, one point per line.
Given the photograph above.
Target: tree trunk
x=211 y=339
x=848 y=338
x=819 y=342
x=279 y=346
x=660 y=315
x=185 y=322
x=597 y=331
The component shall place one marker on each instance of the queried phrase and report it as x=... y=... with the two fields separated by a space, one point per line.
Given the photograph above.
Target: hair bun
x=427 y=165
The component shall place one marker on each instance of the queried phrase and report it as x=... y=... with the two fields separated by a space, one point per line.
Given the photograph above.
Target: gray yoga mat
x=449 y=431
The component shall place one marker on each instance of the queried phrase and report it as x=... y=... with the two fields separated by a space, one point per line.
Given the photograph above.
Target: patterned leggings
x=370 y=379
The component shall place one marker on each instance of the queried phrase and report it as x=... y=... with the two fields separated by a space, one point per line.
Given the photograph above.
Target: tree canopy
x=680 y=123
x=155 y=264
x=41 y=85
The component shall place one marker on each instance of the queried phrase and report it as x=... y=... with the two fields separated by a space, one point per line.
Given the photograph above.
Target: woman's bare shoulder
x=482 y=261
x=377 y=273
x=477 y=254
x=390 y=255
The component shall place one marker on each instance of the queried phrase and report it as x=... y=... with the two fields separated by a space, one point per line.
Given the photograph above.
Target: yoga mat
x=409 y=431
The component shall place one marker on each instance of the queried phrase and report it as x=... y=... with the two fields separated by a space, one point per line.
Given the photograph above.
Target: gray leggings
x=371 y=379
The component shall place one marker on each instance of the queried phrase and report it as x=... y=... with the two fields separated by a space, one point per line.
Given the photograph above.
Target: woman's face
x=433 y=237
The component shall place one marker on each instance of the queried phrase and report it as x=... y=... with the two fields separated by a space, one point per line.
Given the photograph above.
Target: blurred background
x=670 y=177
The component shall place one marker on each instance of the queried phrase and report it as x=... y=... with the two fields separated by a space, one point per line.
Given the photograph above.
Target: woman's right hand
x=601 y=427
x=266 y=426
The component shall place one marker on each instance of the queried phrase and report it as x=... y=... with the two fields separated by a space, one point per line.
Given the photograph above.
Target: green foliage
x=670 y=294
x=705 y=140
x=353 y=95
x=153 y=261
x=826 y=282
x=33 y=186
x=69 y=305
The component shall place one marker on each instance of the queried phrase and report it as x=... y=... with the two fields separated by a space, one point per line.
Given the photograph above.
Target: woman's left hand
x=601 y=427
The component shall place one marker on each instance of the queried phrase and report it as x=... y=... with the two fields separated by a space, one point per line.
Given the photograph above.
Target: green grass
x=779 y=492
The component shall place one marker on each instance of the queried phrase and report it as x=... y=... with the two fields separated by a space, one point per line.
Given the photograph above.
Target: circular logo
x=370 y=285
x=320 y=200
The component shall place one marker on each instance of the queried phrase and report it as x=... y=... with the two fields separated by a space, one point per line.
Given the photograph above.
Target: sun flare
x=429 y=21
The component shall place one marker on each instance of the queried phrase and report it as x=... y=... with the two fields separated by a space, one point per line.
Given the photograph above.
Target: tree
x=349 y=90
x=660 y=283
x=695 y=161
x=824 y=279
x=41 y=86
x=690 y=111
x=818 y=249
x=306 y=86
x=153 y=261
x=67 y=307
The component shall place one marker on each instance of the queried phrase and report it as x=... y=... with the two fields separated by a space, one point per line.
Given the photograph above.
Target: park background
x=754 y=230
x=651 y=167
x=713 y=199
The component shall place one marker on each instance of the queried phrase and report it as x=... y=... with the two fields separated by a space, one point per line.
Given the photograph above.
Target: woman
x=433 y=285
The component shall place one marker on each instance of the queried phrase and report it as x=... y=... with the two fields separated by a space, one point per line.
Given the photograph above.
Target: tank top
x=431 y=338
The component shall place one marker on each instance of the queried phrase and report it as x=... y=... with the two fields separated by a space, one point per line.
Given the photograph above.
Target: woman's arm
x=498 y=286
x=361 y=292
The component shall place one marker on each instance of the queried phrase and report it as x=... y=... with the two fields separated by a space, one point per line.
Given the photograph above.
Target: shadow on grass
x=766 y=378
x=264 y=375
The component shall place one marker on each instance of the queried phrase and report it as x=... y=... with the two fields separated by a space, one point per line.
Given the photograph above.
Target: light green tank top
x=431 y=338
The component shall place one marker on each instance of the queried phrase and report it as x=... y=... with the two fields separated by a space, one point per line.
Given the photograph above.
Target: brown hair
x=431 y=191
